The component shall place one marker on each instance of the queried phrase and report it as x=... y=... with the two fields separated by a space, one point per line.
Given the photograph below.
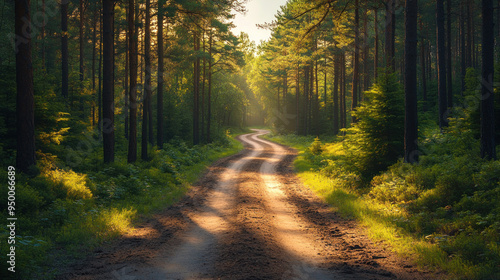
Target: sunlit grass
x=383 y=221
x=73 y=183
x=78 y=211
x=94 y=227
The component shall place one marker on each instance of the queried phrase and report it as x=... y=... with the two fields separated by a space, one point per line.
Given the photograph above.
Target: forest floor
x=249 y=217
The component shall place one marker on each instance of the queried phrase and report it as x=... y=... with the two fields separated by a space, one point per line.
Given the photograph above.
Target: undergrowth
x=444 y=211
x=79 y=208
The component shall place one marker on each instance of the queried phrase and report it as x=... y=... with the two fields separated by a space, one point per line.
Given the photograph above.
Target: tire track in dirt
x=249 y=217
x=193 y=257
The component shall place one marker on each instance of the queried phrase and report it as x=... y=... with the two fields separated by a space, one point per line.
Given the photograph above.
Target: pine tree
x=108 y=125
x=410 y=82
x=25 y=157
x=487 y=93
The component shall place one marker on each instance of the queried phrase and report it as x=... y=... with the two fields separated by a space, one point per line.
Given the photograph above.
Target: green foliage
x=316 y=147
x=448 y=204
x=375 y=141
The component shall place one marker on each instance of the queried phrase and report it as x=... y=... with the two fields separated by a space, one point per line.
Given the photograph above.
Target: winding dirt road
x=248 y=218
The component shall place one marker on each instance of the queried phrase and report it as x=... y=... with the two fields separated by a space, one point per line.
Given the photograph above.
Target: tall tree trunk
x=307 y=89
x=336 y=73
x=310 y=100
x=297 y=101
x=306 y=97
x=366 y=53
x=423 y=66
x=463 y=52
x=159 y=101
x=149 y=71
x=64 y=49
x=209 y=101
x=487 y=92
x=132 y=139
x=278 y=99
x=99 y=78
x=203 y=80
x=196 y=89
x=25 y=156
x=285 y=90
x=81 y=39
x=108 y=129
x=410 y=82
x=343 y=110
x=375 y=61
x=441 y=57
x=429 y=60
x=316 y=100
x=127 y=66
x=469 y=35
x=497 y=41
x=355 y=73
x=449 y=85
x=94 y=48
x=43 y=34
x=390 y=28
x=147 y=87
x=325 y=82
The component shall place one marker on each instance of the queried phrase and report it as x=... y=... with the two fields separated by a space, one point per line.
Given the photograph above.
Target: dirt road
x=248 y=218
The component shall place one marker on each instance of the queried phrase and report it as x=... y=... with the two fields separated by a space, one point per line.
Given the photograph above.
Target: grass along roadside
x=83 y=208
x=423 y=234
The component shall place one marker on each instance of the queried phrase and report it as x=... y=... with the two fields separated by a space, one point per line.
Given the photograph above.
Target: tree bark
x=463 y=52
x=132 y=140
x=343 y=109
x=355 y=75
x=316 y=98
x=82 y=18
x=297 y=101
x=306 y=99
x=449 y=85
x=147 y=86
x=469 y=36
x=99 y=78
x=94 y=48
x=410 y=83
x=43 y=34
x=108 y=130
x=487 y=92
x=159 y=102
x=149 y=70
x=441 y=57
x=423 y=65
x=64 y=49
x=209 y=97
x=25 y=156
x=390 y=27
x=203 y=80
x=375 y=60
x=196 y=89
x=127 y=66
x=366 y=54
x=336 y=73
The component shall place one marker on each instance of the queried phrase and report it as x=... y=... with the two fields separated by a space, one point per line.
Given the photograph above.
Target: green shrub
x=375 y=141
x=394 y=190
x=316 y=147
